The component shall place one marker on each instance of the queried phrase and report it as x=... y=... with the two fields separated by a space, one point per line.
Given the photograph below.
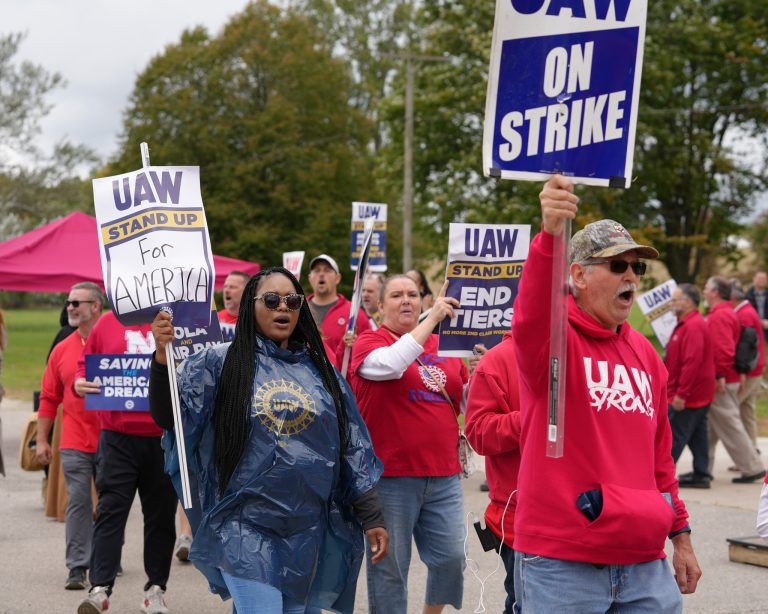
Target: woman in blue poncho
x=281 y=465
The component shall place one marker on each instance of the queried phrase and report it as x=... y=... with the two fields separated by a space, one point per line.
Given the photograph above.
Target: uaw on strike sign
x=563 y=90
x=155 y=246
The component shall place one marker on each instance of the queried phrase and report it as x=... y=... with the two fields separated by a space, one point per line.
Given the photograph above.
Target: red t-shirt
x=227 y=323
x=79 y=428
x=413 y=428
x=334 y=324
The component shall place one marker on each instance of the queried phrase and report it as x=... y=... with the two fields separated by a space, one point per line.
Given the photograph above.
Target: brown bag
x=28 y=447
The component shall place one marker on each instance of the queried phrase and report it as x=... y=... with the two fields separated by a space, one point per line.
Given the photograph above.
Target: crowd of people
x=297 y=473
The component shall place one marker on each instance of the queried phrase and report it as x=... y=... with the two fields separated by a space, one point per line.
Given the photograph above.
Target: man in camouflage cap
x=591 y=526
x=605 y=239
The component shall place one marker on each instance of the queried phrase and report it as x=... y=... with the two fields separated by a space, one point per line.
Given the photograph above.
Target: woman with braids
x=281 y=465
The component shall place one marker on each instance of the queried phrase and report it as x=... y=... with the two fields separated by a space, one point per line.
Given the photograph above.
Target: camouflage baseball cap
x=604 y=239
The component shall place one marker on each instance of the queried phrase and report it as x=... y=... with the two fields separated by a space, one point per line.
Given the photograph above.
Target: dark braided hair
x=234 y=396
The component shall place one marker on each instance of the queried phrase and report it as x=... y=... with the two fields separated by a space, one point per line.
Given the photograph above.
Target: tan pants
x=725 y=423
x=747 y=402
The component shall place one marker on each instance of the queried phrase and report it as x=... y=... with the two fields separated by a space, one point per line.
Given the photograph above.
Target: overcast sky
x=99 y=47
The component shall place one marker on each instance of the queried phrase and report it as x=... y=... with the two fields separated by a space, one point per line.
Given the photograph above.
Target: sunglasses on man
x=620 y=266
x=76 y=304
x=272 y=301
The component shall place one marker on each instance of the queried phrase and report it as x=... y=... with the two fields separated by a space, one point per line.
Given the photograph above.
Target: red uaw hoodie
x=616 y=438
x=493 y=430
x=110 y=337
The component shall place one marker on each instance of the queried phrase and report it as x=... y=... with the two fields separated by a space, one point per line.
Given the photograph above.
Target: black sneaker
x=692 y=480
x=76 y=580
x=748 y=479
x=702 y=483
x=484 y=486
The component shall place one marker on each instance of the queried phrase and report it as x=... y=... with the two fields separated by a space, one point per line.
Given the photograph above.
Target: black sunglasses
x=620 y=266
x=272 y=301
x=76 y=304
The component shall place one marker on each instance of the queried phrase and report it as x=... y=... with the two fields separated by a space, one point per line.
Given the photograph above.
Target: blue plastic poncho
x=285 y=518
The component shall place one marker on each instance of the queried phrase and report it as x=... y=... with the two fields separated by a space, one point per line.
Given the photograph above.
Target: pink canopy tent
x=56 y=256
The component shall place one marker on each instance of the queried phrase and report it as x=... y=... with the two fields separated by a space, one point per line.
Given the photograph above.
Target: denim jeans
x=544 y=585
x=508 y=558
x=252 y=597
x=430 y=511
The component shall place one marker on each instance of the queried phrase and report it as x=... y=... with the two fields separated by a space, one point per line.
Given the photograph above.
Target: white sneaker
x=95 y=602
x=154 y=601
x=182 y=547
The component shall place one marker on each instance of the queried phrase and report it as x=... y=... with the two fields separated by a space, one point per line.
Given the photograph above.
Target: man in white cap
x=331 y=309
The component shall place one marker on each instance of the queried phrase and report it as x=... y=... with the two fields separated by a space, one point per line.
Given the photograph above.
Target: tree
x=34 y=186
x=264 y=109
x=449 y=104
x=704 y=88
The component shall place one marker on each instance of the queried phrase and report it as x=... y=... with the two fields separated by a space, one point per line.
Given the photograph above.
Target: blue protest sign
x=563 y=90
x=377 y=257
x=123 y=378
x=485 y=262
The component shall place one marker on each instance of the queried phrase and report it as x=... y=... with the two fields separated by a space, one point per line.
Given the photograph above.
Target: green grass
x=30 y=334
x=762 y=414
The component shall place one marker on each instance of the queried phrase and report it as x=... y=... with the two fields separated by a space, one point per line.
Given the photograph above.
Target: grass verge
x=30 y=334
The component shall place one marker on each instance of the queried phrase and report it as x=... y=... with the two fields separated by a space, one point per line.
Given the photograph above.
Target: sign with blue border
x=123 y=381
x=485 y=262
x=656 y=305
x=563 y=90
x=377 y=257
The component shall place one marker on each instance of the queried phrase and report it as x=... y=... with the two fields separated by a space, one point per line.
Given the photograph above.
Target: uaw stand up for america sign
x=563 y=90
x=155 y=246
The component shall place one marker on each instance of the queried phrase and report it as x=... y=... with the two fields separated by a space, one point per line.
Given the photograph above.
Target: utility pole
x=410 y=71
x=408 y=166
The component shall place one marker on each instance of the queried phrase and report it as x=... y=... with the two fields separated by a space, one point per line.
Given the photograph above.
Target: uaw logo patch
x=614 y=387
x=430 y=376
x=283 y=407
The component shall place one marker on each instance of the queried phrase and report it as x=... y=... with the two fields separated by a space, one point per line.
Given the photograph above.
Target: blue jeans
x=689 y=427
x=544 y=585
x=252 y=597
x=429 y=510
x=508 y=558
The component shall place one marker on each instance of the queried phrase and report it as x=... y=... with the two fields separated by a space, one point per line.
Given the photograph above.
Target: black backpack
x=746 y=350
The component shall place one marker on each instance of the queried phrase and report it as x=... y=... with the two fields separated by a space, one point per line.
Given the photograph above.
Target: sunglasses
x=76 y=304
x=620 y=266
x=272 y=301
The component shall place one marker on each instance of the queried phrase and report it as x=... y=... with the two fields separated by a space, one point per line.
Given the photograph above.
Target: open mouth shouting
x=626 y=294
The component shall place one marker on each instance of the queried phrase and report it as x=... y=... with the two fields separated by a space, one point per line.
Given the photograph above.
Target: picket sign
x=558 y=343
x=357 y=289
x=563 y=95
x=186 y=499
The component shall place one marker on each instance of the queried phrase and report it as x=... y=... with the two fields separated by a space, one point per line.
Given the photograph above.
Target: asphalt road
x=32 y=570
